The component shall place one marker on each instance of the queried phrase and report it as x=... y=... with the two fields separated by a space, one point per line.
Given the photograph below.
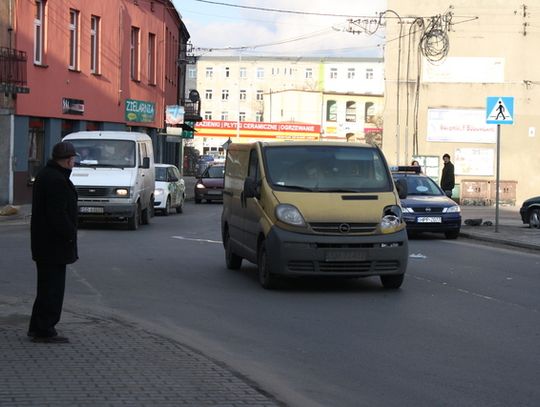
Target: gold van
x=313 y=209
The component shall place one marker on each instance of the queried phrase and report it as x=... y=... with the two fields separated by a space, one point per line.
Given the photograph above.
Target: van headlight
x=122 y=192
x=290 y=215
x=158 y=192
x=391 y=221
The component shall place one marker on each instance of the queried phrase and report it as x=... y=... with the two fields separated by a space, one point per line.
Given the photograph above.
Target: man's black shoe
x=50 y=339
x=32 y=334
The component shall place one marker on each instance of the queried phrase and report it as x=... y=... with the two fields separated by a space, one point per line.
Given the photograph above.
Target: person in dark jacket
x=53 y=232
x=448 y=180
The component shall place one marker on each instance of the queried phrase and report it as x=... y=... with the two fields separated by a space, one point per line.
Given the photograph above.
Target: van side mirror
x=173 y=179
x=402 y=189
x=251 y=189
x=145 y=163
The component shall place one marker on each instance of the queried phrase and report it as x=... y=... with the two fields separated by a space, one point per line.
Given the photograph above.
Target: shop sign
x=139 y=111
x=72 y=106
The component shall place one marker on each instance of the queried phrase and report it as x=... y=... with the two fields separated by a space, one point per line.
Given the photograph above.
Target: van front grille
x=343 y=228
x=93 y=191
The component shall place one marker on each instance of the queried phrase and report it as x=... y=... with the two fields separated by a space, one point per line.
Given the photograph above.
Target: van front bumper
x=106 y=211
x=297 y=254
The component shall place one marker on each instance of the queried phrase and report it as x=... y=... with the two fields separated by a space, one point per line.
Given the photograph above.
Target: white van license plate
x=429 y=219
x=345 y=256
x=91 y=209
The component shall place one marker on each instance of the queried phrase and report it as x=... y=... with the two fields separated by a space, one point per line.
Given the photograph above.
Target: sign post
x=499 y=110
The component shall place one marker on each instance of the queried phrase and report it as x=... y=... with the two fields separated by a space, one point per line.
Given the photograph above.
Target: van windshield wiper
x=298 y=187
x=102 y=165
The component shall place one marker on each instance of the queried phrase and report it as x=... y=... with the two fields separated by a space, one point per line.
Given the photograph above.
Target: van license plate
x=345 y=256
x=91 y=209
x=214 y=192
x=429 y=219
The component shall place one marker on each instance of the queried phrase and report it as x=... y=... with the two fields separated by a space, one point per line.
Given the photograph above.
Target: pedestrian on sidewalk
x=53 y=232
x=448 y=180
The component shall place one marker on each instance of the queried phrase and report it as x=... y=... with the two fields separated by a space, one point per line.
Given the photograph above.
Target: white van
x=114 y=176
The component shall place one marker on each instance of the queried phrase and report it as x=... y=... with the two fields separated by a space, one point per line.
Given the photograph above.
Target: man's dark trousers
x=50 y=297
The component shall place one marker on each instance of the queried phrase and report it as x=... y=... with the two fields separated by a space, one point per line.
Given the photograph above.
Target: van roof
x=108 y=134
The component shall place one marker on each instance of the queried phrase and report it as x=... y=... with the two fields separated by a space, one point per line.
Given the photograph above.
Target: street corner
x=111 y=362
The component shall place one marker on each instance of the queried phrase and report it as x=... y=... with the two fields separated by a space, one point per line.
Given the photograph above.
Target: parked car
x=530 y=212
x=170 y=189
x=209 y=185
x=203 y=162
x=426 y=207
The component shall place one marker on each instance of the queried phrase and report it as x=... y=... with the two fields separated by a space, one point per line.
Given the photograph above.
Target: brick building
x=70 y=65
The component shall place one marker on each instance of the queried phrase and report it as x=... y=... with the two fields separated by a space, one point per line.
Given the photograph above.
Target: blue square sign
x=500 y=110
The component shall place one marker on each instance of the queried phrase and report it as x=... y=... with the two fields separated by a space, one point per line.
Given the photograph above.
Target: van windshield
x=104 y=153
x=326 y=169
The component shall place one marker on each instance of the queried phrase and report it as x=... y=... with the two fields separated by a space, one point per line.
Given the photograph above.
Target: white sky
x=217 y=26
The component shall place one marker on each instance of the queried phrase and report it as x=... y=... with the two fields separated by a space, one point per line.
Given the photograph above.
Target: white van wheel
x=134 y=221
x=147 y=213
x=266 y=279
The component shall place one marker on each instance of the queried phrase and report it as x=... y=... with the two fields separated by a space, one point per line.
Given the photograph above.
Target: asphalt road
x=463 y=330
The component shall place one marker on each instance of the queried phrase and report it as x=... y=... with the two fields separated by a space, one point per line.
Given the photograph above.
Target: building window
x=208 y=94
x=333 y=73
x=369 y=73
x=350 y=73
x=209 y=72
x=243 y=95
x=259 y=95
x=275 y=71
x=151 y=58
x=242 y=116
x=134 y=53
x=260 y=73
x=207 y=115
x=74 y=39
x=39 y=29
x=225 y=94
x=331 y=110
x=350 y=113
x=224 y=115
x=369 y=112
x=309 y=73
x=94 y=44
x=243 y=73
x=227 y=72
x=259 y=116
x=192 y=72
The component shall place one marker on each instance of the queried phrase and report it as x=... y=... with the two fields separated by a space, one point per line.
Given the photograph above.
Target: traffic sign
x=500 y=110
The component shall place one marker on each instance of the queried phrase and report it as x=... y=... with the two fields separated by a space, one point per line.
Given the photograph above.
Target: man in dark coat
x=448 y=180
x=54 y=240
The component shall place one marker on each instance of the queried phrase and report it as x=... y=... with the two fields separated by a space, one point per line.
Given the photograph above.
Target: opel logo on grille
x=92 y=190
x=428 y=209
x=344 y=228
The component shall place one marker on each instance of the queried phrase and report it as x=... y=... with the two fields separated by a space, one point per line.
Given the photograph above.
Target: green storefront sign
x=139 y=111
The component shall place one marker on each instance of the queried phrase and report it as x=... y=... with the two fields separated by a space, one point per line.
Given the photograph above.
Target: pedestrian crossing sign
x=500 y=110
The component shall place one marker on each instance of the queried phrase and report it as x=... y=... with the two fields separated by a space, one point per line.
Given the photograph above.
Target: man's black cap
x=64 y=149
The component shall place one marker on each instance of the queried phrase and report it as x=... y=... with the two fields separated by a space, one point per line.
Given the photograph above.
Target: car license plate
x=429 y=219
x=91 y=209
x=214 y=192
x=345 y=256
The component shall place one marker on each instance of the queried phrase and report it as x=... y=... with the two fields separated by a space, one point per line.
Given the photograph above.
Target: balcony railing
x=13 y=71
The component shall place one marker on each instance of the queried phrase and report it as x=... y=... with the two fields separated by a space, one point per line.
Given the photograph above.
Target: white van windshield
x=104 y=153
x=326 y=168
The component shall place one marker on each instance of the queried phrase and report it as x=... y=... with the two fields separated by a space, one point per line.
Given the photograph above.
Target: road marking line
x=417 y=256
x=197 y=240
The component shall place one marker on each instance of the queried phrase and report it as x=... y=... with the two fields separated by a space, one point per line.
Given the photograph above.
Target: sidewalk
x=111 y=363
